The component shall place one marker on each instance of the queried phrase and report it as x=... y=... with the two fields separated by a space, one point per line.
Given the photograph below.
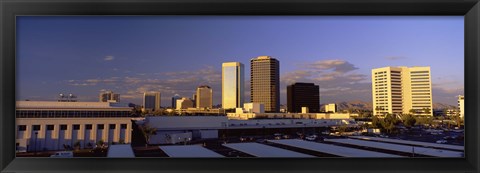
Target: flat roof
x=398 y=147
x=260 y=150
x=123 y=151
x=188 y=151
x=331 y=149
x=68 y=105
x=444 y=146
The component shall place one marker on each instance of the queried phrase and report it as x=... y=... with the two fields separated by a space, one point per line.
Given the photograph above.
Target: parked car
x=441 y=141
x=311 y=138
x=65 y=154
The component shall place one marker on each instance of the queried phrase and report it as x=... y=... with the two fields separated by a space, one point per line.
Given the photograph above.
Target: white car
x=442 y=141
x=311 y=138
x=65 y=154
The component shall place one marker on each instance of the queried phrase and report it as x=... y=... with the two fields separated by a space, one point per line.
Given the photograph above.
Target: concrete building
x=303 y=95
x=184 y=103
x=233 y=85
x=151 y=101
x=204 y=97
x=332 y=108
x=247 y=116
x=265 y=82
x=461 y=105
x=402 y=90
x=46 y=125
x=109 y=96
x=254 y=108
x=169 y=128
x=174 y=100
x=201 y=111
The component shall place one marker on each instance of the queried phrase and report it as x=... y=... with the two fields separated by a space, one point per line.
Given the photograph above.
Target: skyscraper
x=109 y=96
x=303 y=95
x=233 y=85
x=204 y=97
x=174 y=100
x=265 y=82
x=402 y=90
x=151 y=101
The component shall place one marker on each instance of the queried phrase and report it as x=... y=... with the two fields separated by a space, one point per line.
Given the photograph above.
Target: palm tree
x=147 y=132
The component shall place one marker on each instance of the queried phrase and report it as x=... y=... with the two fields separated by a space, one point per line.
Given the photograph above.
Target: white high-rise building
x=151 y=101
x=402 y=90
x=233 y=85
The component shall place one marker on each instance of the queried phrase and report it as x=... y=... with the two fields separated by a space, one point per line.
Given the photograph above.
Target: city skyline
x=174 y=55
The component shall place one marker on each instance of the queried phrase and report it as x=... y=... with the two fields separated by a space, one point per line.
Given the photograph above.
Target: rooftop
x=68 y=105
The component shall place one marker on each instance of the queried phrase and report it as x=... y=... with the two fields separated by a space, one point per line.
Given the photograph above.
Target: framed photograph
x=257 y=86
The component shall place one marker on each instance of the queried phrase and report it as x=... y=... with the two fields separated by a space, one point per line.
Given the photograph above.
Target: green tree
x=376 y=122
x=147 y=132
x=408 y=120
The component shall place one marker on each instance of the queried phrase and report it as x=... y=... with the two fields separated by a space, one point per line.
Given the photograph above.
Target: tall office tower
x=303 y=95
x=265 y=82
x=109 y=96
x=402 y=90
x=174 y=100
x=204 y=97
x=151 y=101
x=233 y=85
x=461 y=105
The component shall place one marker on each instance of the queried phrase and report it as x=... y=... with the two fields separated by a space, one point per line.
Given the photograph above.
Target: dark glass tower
x=303 y=95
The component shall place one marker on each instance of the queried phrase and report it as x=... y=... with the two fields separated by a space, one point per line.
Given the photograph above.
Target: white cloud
x=109 y=58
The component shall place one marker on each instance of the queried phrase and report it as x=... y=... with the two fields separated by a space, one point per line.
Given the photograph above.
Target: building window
x=36 y=127
x=123 y=126
x=76 y=127
x=63 y=127
x=100 y=127
x=22 y=127
x=50 y=127
x=88 y=127
x=112 y=126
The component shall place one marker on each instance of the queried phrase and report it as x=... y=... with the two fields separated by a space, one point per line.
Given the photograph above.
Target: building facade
x=184 y=103
x=109 y=96
x=174 y=100
x=265 y=82
x=461 y=105
x=45 y=125
x=402 y=90
x=151 y=101
x=303 y=95
x=233 y=85
x=332 y=107
x=204 y=97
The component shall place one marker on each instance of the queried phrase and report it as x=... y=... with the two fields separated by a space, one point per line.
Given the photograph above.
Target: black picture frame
x=11 y=8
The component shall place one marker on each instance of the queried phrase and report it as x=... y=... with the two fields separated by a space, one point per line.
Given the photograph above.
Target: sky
x=129 y=55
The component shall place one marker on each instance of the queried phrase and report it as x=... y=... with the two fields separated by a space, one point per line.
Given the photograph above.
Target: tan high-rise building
x=233 y=85
x=204 y=97
x=109 y=96
x=402 y=90
x=461 y=105
x=151 y=101
x=265 y=82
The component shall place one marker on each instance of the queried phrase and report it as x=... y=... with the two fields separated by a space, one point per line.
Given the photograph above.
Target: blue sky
x=174 y=54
